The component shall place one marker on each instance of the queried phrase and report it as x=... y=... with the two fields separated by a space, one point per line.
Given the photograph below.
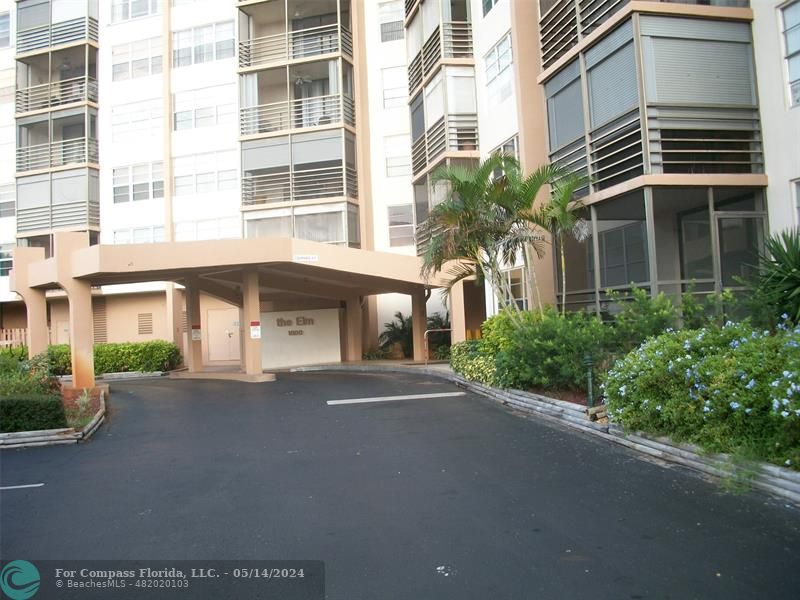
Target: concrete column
x=369 y=323
x=67 y=247
x=419 y=323
x=251 y=311
x=353 y=342
x=81 y=332
x=194 y=351
x=35 y=299
x=458 y=320
x=174 y=315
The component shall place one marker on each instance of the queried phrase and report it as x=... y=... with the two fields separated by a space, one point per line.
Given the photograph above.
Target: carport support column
x=419 y=323
x=251 y=312
x=194 y=350
x=35 y=299
x=353 y=348
x=81 y=332
x=458 y=320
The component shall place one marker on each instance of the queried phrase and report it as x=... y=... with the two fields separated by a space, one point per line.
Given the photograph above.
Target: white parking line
x=392 y=398
x=21 y=487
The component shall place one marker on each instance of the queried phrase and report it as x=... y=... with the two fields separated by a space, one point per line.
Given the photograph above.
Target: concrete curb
x=773 y=479
x=54 y=437
x=124 y=375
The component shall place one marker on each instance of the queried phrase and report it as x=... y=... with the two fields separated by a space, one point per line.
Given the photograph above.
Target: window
x=138 y=182
x=398 y=155
x=488 y=5
x=5 y=259
x=205 y=107
x=7 y=200
x=5 y=30
x=499 y=75
x=791 y=33
x=401 y=225
x=202 y=44
x=498 y=59
x=137 y=59
x=124 y=10
x=395 y=87
x=208 y=229
x=391 y=20
x=139 y=235
x=131 y=121
x=517 y=283
x=205 y=173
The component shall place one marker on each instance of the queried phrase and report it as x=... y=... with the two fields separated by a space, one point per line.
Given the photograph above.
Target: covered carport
x=241 y=272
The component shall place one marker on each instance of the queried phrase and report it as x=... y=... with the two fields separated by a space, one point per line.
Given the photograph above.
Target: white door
x=223 y=334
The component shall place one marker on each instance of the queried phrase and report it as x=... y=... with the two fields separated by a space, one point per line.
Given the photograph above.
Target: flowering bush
x=471 y=360
x=728 y=389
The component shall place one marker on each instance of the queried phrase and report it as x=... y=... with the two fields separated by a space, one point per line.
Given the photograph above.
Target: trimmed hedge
x=157 y=355
x=31 y=413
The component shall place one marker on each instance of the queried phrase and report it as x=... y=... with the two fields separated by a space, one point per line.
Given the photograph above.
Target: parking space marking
x=393 y=398
x=20 y=487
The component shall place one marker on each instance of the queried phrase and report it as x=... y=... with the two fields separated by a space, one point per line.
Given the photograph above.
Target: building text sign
x=302 y=337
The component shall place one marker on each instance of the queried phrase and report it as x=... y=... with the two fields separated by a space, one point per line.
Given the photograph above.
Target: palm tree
x=398 y=331
x=560 y=216
x=467 y=229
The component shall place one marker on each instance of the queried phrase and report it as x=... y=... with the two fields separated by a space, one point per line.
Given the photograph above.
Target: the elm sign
x=303 y=337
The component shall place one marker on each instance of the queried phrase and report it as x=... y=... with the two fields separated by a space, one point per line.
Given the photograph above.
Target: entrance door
x=741 y=238
x=223 y=334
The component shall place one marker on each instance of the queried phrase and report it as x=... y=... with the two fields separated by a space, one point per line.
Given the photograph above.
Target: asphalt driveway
x=432 y=498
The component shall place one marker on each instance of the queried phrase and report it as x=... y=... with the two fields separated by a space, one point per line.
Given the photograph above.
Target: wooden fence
x=11 y=338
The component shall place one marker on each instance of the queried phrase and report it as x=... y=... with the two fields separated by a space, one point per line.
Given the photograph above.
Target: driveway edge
x=773 y=479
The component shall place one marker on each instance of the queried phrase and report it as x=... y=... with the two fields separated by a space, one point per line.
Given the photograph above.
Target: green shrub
x=14 y=353
x=777 y=284
x=157 y=355
x=442 y=352
x=729 y=389
x=376 y=354
x=28 y=377
x=714 y=309
x=31 y=413
x=549 y=351
x=473 y=361
x=640 y=317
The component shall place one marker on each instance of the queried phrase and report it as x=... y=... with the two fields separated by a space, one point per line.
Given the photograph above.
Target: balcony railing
x=312 y=184
x=297 y=114
x=47 y=95
x=57 y=154
x=83 y=213
x=294 y=45
x=57 y=34
x=448 y=134
x=451 y=40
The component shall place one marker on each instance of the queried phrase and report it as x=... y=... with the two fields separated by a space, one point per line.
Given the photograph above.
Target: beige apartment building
x=215 y=170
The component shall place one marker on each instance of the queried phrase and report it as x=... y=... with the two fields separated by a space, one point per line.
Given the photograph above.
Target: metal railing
x=83 y=213
x=286 y=186
x=616 y=151
x=56 y=34
x=300 y=113
x=302 y=43
x=451 y=40
x=449 y=133
x=57 y=93
x=57 y=154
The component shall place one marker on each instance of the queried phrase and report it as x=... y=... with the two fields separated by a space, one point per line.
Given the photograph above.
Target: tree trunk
x=563 y=276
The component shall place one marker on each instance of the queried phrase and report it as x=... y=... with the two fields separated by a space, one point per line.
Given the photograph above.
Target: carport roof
x=281 y=262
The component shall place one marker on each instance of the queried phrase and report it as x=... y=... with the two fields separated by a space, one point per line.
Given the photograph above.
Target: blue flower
x=751 y=384
x=775 y=405
x=788 y=462
x=622 y=390
x=734 y=405
x=748 y=410
x=784 y=316
x=706 y=409
x=784 y=414
x=658 y=407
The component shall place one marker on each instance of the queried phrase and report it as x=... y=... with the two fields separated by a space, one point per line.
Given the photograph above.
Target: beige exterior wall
x=122 y=313
x=14 y=316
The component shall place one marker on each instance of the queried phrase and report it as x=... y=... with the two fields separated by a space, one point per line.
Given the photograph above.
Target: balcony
x=452 y=133
x=294 y=45
x=57 y=154
x=57 y=34
x=58 y=93
x=297 y=114
x=451 y=40
x=69 y=215
x=298 y=186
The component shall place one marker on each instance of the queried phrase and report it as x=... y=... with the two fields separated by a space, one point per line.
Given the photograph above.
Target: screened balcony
x=297 y=96
x=56 y=78
x=299 y=168
x=277 y=32
x=440 y=29
x=563 y=22
x=49 y=23
x=57 y=139
x=60 y=200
